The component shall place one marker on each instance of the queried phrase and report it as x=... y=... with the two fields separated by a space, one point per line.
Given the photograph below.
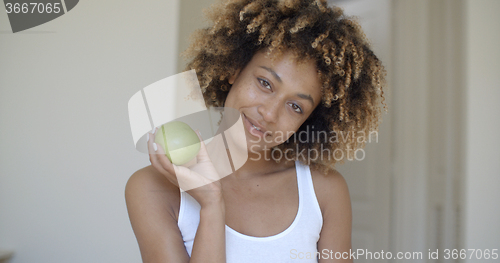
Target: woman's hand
x=201 y=180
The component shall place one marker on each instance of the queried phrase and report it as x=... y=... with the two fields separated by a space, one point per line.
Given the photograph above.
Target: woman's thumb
x=202 y=153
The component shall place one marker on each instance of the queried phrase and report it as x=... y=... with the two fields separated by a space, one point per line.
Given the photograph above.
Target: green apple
x=180 y=142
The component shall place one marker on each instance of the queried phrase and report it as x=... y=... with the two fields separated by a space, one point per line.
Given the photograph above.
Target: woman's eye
x=296 y=108
x=265 y=84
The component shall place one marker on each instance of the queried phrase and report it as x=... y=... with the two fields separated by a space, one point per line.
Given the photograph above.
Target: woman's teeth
x=256 y=127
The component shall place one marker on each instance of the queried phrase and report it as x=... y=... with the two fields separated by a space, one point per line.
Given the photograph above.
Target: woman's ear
x=233 y=77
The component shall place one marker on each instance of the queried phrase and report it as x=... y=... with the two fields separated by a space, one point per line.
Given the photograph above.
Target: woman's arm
x=335 y=203
x=152 y=196
x=151 y=202
x=151 y=211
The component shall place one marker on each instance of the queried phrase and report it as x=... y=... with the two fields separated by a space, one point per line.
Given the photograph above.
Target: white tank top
x=297 y=243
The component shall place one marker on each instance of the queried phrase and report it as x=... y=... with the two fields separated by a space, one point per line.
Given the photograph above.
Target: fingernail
x=156 y=147
x=148 y=136
x=153 y=130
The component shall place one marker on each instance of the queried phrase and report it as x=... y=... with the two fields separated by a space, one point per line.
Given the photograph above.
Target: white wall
x=66 y=149
x=482 y=182
x=191 y=18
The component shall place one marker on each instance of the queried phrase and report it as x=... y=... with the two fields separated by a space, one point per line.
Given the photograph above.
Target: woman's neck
x=261 y=163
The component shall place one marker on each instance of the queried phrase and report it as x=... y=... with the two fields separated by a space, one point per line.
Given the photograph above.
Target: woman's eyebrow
x=273 y=73
x=307 y=97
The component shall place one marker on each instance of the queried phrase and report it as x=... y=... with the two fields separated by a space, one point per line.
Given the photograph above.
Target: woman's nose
x=269 y=111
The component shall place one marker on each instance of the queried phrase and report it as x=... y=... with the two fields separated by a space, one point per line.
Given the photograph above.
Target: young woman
x=301 y=74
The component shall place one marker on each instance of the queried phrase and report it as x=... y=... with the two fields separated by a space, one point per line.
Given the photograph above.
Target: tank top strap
x=306 y=191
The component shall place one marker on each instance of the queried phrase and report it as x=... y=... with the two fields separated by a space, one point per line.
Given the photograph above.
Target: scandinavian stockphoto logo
x=25 y=14
x=179 y=99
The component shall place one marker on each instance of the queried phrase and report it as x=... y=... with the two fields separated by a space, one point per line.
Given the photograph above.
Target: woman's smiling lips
x=249 y=125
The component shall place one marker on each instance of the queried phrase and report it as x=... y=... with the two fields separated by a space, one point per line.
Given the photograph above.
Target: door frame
x=428 y=87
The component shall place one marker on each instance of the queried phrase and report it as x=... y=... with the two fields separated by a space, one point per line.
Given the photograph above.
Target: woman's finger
x=202 y=155
x=150 y=142
x=183 y=177
x=163 y=164
x=164 y=161
x=153 y=153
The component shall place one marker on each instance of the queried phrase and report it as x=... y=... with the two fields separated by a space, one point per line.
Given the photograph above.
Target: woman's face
x=276 y=97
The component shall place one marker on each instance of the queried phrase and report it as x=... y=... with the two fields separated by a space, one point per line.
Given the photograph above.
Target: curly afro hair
x=352 y=76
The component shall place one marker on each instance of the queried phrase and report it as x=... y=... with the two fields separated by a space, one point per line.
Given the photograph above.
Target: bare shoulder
x=148 y=186
x=331 y=190
x=153 y=207
x=150 y=177
x=333 y=198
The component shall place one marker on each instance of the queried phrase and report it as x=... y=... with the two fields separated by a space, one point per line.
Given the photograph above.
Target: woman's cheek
x=250 y=94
